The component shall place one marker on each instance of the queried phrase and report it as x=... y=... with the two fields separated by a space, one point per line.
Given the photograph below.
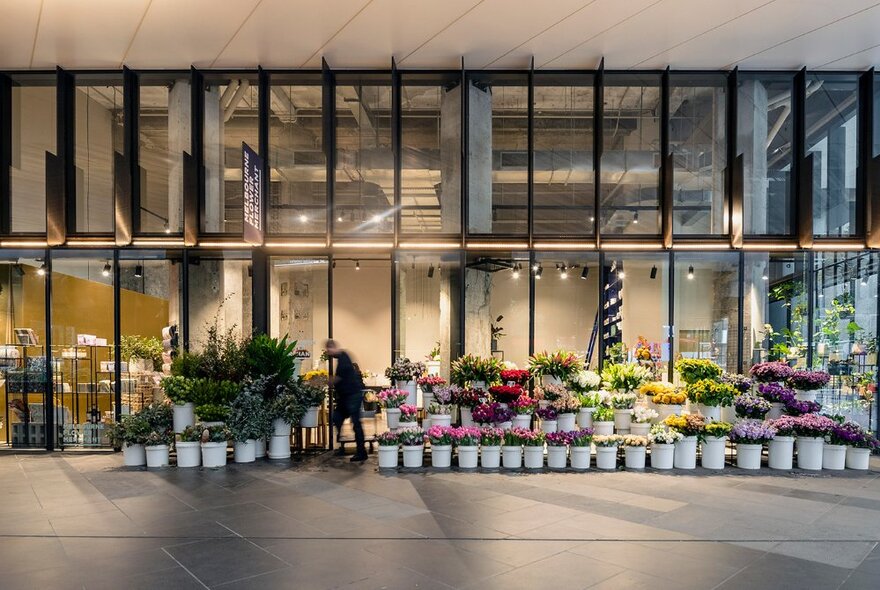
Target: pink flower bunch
x=524 y=405
x=429 y=382
x=550 y=392
x=392 y=398
x=445 y=395
x=813 y=425
x=491 y=436
x=440 y=435
x=408 y=413
x=532 y=438
x=466 y=436
x=785 y=425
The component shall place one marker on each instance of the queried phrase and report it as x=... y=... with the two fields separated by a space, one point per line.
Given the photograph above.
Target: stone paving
x=81 y=521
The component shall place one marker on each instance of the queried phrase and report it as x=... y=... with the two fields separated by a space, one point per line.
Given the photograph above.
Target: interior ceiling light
x=139 y=270
x=167 y=228
x=654 y=272
x=585 y=272
x=106 y=270
x=303 y=218
x=515 y=271
x=636 y=218
x=357 y=264
x=690 y=272
x=563 y=272
x=539 y=272
x=765 y=277
x=42 y=270
x=431 y=272
x=621 y=274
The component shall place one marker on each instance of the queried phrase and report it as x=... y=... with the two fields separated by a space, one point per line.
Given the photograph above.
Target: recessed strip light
x=167 y=243
x=296 y=244
x=564 y=246
x=226 y=245
x=632 y=246
x=706 y=246
x=363 y=245
x=838 y=245
x=24 y=244
x=497 y=245
x=430 y=245
x=768 y=246
x=91 y=243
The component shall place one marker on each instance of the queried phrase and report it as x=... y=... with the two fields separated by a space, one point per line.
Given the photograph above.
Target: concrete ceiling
x=645 y=34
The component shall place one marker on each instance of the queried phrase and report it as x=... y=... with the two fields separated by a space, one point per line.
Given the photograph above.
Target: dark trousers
x=350 y=407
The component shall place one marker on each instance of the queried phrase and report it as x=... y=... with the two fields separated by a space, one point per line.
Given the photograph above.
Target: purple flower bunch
x=752 y=432
x=785 y=425
x=808 y=380
x=492 y=413
x=558 y=439
x=580 y=438
x=813 y=425
x=739 y=382
x=852 y=434
x=775 y=393
x=770 y=372
x=548 y=413
x=751 y=406
x=796 y=407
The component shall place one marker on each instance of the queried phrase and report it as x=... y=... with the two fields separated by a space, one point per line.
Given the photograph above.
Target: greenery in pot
x=159 y=416
x=192 y=433
x=470 y=368
x=625 y=377
x=132 y=429
x=186 y=364
x=156 y=438
x=214 y=434
x=272 y=358
x=248 y=418
x=223 y=355
x=212 y=398
x=623 y=401
x=177 y=388
x=693 y=370
x=711 y=393
x=148 y=348
x=603 y=414
x=287 y=406
x=717 y=429
x=561 y=364
x=309 y=395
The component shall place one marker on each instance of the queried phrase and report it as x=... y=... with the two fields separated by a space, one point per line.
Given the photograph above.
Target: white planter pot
x=666 y=410
x=780 y=453
x=549 y=426
x=157 y=456
x=585 y=417
x=556 y=457
x=490 y=457
x=244 y=452
x=310 y=419
x=440 y=420
x=392 y=418
x=547 y=380
x=214 y=454
x=280 y=427
x=279 y=442
x=603 y=428
x=183 y=415
x=566 y=422
x=634 y=457
x=388 y=456
x=711 y=413
x=504 y=425
x=413 y=455
x=858 y=458
x=606 y=457
x=405 y=425
x=622 y=421
x=512 y=457
x=213 y=423
x=640 y=428
x=441 y=456
x=806 y=396
x=833 y=457
x=775 y=411
x=522 y=421
x=260 y=448
x=686 y=453
x=748 y=456
x=728 y=414
x=467 y=457
x=662 y=456
x=410 y=387
x=426 y=422
x=465 y=416
x=432 y=367
x=134 y=455
x=533 y=457
x=809 y=452
x=713 y=452
x=580 y=458
x=427 y=399
x=189 y=454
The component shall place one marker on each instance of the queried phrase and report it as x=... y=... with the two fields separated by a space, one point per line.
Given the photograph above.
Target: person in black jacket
x=349 y=388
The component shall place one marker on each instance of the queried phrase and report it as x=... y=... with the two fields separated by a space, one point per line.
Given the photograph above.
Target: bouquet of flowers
x=440 y=435
x=717 y=429
x=439 y=409
x=770 y=372
x=491 y=413
x=467 y=398
x=775 y=393
x=411 y=437
x=558 y=439
x=392 y=398
x=739 y=382
x=430 y=382
x=549 y=413
x=607 y=440
x=515 y=377
x=603 y=414
x=590 y=400
x=808 y=380
x=550 y=392
x=852 y=434
x=505 y=393
x=532 y=438
x=693 y=370
x=469 y=368
x=584 y=381
x=813 y=425
x=710 y=392
x=661 y=434
x=625 y=376
x=632 y=440
x=513 y=437
x=404 y=369
x=784 y=425
x=751 y=406
x=623 y=401
x=445 y=395
x=642 y=415
x=686 y=424
x=796 y=407
x=408 y=413
x=524 y=405
x=580 y=438
x=491 y=436
x=566 y=404
x=752 y=432
x=646 y=351
x=466 y=436
x=653 y=388
x=561 y=364
x=389 y=438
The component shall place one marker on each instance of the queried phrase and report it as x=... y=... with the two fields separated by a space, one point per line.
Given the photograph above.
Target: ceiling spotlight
x=864 y=282
x=539 y=272
x=431 y=272
x=106 y=270
x=636 y=218
x=303 y=218
x=42 y=270
x=764 y=277
x=377 y=218
x=139 y=270
x=654 y=272
x=515 y=271
x=690 y=272
x=357 y=264
x=621 y=274
x=167 y=228
x=339 y=219
x=821 y=295
x=592 y=219
x=585 y=272
x=563 y=272
x=536 y=266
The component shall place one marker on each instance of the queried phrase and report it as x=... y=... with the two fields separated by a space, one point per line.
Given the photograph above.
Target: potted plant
x=156 y=446
x=505 y=394
x=548 y=418
x=311 y=398
x=580 y=444
x=751 y=407
x=589 y=402
x=557 y=449
x=834 y=449
x=770 y=372
x=432 y=359
x=634 y=451
x=408 y=417
x=625 y=377
x=413 y=442
x=740 y=383
x=439 y=414
x=642 y=418
x=512 y=451
x=286 y=410
x=710 y=396
x=623 y=404
x=811 y=430
x=693 y=370
x=566 y=408
x=490 y=447
x=584 y=381
x=533 y=448
x=606 y=450
x=780 y=450
x=391 y=400
x=806 y=384
x=214 y=441
x=475 y=372
x=466 y=400
x=663 y=439
x=524 y=407
x=603 y=421
x=428 y=384
x=859 y=444
x=691 y=428
x=189 y=452
x=466 y=440
x=273 y=361
x=750 y=437
x=714 y=444
x=493 y=413
x=778 y=396
x=179 y=390
x=515 y=377
x=796 y=407
x=441 y=446
x=142 y=353
x=212 y=398
x=666 y=399
x=404 y=373
x=555 y=368
x=130 y=433
x=248 y=421
x=389 y=446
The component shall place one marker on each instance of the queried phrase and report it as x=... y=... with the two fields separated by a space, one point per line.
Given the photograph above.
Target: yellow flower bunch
x=663 y=392
x=674 y=398
x=317 y=377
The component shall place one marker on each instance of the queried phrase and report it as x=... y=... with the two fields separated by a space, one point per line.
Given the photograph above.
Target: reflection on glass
x=362 y=313
x=231 y=118
x=566 y=303
x=164 y=134
x=430 y=176
x=99 y=137
x=832 y=130
x=220 y=294
x=764 y=138
x=498 y=155
x=698 y=144
x=364 y=188
x=297 y=200
x=630 y=198
x=563 y=139
x=33 y=134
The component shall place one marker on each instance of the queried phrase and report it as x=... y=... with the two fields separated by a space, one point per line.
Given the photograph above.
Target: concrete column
x=446 y=319
x=752 y=136
x=450 y=160
x=720 y=160
x=214 y=161
x=179 y=136
x=478 y=318
x=479 y=160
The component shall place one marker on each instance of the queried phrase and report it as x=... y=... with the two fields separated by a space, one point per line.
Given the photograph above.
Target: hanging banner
x=252 y=192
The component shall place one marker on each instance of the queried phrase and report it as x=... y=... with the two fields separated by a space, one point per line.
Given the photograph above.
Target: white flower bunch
x=586 y=380
x=660 y=434
x=643 y=414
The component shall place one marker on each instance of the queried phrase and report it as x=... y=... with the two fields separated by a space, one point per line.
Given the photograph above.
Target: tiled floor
x=82 y=521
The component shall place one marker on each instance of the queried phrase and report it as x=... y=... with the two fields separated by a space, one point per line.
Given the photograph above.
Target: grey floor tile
x=779 y=571
x=219 y=561
x=564 y=570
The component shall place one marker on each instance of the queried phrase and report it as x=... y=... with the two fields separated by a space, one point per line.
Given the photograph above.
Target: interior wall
x=645 y=302
x=565 y=311
x=33 y=134
x=362 y=312
x=298 y=308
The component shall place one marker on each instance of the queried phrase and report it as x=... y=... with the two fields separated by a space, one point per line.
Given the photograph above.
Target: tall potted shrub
x=248 y=421
x=157 y=445
x=286 y=410
x=178 y=389
x=311 y=398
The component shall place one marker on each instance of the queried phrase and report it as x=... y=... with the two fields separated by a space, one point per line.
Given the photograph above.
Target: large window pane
x=219 y=295
x=364 y=188
x=33 y=134
x=498 y=147
x=231 y=118
x=698 y=143
x=164 y=134
x=630 y=197
x=430 y=161
x=563 y=137
x=298 y=167
x=832 y=131
x=566 y=303
x=298 y=299
x=764 y=138
x=99 y=137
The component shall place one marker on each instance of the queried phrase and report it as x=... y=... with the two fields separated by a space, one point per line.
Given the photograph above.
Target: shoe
x=360 y=457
